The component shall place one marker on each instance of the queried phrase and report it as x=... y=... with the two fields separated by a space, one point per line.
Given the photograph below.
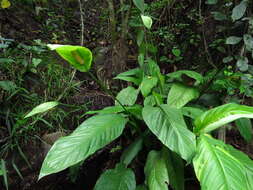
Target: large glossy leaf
x=192 y=74
x=91 y=135
x=156 y=171
x=42 y=108
x=179 y=95
x=239 y=10
x=220 y=116
x=217 y=166
x=140 y=5
x=79 y=57
x=168 y=125
x=147 y=21
x=175 y=168
x=147 y=84
x=127 y=96
x=120 y=178
x=245 y=128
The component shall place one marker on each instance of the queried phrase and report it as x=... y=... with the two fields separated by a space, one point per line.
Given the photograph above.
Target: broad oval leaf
x=147 y=21
x=42 y=108
x=217 y=167
x=248 y=41
x=8 y=85
x=192 y=74
x=119 y=178
x=91 y=135
x=245 y=128
x=239 y=10
x=140 y=5
x=156 y=171
x=221 y=115
x=232 y=40
x=147 y=84
x=179 y=95
x=79 y=57
x=167 y=123
x=127 y=96
x=242 y=64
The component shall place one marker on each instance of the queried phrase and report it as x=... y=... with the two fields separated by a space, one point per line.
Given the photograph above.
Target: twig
x=82 y=22
x=208 y=55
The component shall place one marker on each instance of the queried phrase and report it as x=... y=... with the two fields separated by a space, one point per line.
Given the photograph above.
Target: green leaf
x=4 y=173
x=141 y=59
x=221 y=115
x=42 y=108
x=239 y=10
x=219 y=16
x=192 y=74
x=150 y=100
x=8 y=85
x=179 y=95
x=130 y=153
x=242 y=64
x=156 y=172
x=147 y=21
x=176 y=52
x=117 y=109
x=227 y=59
x=90 y=136
x=211 y=2
x=245 y=128
x=133 y=75
x=248 y=41
x=175 y=168
x=217 y=167
x=147 y=84
x=79 y=57
x=140 y=5
x=120 y=178
x=5 y=4
x=127 y=96
x=232 y=40
x=192 y=112
x=167 y=123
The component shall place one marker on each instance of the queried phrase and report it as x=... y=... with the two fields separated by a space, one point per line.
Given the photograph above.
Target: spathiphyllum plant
x=165 y=104
x=164 y=108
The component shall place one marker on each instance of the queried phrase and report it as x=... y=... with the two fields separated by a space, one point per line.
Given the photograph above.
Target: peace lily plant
x=165 y=108
x=167 y=104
